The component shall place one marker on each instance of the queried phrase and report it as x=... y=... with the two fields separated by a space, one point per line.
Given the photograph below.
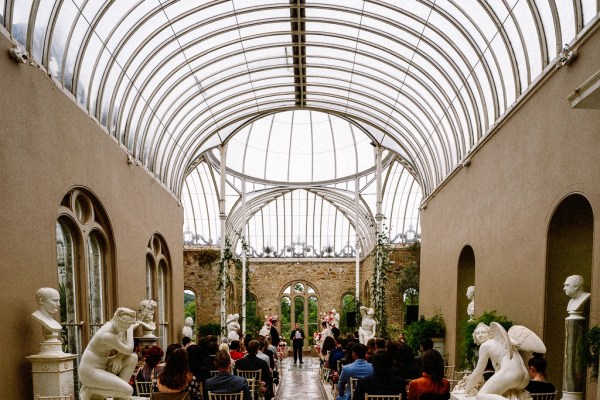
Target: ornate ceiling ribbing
x=171 y=79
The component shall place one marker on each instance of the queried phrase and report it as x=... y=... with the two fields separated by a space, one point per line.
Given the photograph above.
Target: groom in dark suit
x=297 y=338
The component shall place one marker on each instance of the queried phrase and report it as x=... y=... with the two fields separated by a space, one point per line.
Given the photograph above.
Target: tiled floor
x=300 y=381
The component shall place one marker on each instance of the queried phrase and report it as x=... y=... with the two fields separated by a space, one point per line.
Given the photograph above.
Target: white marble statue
x=368 y=326
x=146 y=317
x=233 y=326
x=187 y=329
x=48 y=300
x=471 y=306
x=502 y=348
x=109 y=361
x=574 y=289
x=335 y=319
x=265 y=330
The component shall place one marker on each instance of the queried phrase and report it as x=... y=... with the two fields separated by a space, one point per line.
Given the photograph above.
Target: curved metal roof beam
x=149 y=80
x=337 y=198
x=406 y=115
x=113 y=107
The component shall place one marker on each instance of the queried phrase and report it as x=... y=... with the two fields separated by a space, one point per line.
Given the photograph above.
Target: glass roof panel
x=170 y=80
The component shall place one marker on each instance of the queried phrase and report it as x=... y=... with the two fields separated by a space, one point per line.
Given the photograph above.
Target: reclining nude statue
x=502 y=348
x=107 y=375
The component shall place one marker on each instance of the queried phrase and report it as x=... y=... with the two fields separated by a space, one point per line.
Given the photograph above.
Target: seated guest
x=382 y=381
x=251 y=362
x=432 y=383
x=536 y=366
x=225 y=381
x=151 y=367
x=176 y=377
x=348 y=350
x=360 y=368
x=234 y=350
x=336 y=354
x=195 y=359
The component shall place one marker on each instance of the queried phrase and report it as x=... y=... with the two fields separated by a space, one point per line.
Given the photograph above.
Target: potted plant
x=468 y=348
x=590 y=350
x=433 y=327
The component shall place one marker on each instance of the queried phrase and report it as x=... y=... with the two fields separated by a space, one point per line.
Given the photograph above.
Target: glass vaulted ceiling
x=170 y=80
x=301 y=170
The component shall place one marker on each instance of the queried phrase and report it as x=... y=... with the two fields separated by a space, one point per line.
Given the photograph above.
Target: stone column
x=52 y=374
x=574 y=371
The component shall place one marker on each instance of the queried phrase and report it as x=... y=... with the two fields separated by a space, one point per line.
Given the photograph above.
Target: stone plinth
x=574 y=372
x=52 y=374
x=146 y=340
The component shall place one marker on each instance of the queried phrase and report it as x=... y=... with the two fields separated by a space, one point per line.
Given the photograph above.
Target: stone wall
x=331 y=281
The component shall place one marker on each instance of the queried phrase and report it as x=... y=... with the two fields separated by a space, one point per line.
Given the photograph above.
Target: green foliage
x=209 y=329
x=589 y=350
x=227 y=258
x=424 y=328
x=409 y=274
x=468 y=348
x=207 y=256
x=382 y=266
x=286 y=310
x=190 y=309
x=253 y=321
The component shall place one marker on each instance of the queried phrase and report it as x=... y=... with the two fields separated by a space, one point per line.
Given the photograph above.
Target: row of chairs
x=144 y=389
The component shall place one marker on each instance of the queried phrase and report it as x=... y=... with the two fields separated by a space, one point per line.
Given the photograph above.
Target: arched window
x=84 y=248
x=158 y=267
x=299 y=304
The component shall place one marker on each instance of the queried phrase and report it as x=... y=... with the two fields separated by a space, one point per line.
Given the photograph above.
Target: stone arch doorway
x=465 y=278
x=569 y=252
x=299 y=303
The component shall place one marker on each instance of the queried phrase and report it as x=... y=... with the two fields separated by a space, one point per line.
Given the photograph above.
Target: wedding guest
x=151 y=368
x=382 y=381
x=359 y=368
x=536 y=366
x=225 y=381
x=176 y=377
x=432 y=380
x=195 y=358
x=234 y=350
x=251 y=362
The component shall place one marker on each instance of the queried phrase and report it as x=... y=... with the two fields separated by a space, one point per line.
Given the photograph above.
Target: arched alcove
x=190 y=307
x=465 y=278
x=569 y=252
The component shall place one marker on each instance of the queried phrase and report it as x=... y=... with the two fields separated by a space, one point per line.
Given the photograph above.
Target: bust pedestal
x=52 y=373
x=147 y=340
x=574 y=374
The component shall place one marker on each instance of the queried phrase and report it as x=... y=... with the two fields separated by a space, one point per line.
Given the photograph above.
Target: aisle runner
x=300 y=382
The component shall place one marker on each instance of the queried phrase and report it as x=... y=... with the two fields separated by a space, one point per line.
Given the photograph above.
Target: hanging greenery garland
x=227 y=257
x=382 y=265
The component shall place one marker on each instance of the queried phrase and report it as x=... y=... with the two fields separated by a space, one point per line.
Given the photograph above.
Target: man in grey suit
x=225 y=381
x=360 y=368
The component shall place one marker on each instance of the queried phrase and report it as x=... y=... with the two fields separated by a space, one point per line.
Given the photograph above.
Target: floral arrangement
x=317 y=338
x=271 y=319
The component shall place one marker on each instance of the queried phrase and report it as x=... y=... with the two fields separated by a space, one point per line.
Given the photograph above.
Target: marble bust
x=48 y=300
x=574 y=288
x=146 y=317
x=471 y=306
